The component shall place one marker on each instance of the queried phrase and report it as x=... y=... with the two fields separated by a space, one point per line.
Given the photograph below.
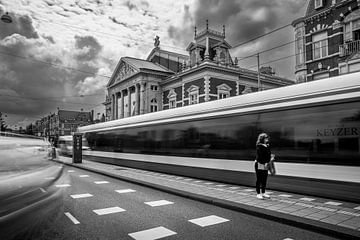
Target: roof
x=143 y=64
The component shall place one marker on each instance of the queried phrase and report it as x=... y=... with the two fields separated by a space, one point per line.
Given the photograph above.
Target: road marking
x=285 y=195
x=62 y=185
x=221 y=185
x=198 y=181
x=125 y=191
x=110 y=210
x=288 y=239
x=72 y=218
x=152 y=234
x=357 y=208
x=209 y=220
x=234 y=187
x=307 y=199
x=41 y=189
x=50 y=178
x=249 y=190
x=84 y=176
x=101 y=182
x=71 y=171
x=333 y=203
x=158 y=203
x=208 y=183
x=85 y=195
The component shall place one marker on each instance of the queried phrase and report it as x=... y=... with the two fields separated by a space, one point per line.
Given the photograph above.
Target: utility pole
x=258 y=64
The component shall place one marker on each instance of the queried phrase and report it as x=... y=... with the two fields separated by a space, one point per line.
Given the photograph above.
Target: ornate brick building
x=167 y=79
x=327 y=39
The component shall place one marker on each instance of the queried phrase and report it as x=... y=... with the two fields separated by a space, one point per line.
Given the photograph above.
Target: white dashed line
x=158 y=203
x=249 y=190
x=72 y=218
x=221 y=185
x=125 y=191
x=71 y=171
x=50 y=178
x=84 y=176
x=110 y=210
x=85 y=195
x=62 y=185
x=234 y=187
x=285 y=195
x=307 y=199
x=101 y=182
x=207 y=221
x=152 y=234
x=333 y=203
x=41 y=189
x=357 y=208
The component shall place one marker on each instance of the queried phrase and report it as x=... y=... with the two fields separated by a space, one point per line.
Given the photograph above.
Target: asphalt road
x=100 y=207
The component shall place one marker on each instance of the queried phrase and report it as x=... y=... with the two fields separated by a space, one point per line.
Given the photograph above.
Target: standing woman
x=263 y=157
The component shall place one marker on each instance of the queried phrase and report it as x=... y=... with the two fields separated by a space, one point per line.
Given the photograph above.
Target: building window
x=154 y=87
x=193 y=94
x=153 y=105
x=318 y=4
x=320 y=45
x=172 y=103
x=223 y=91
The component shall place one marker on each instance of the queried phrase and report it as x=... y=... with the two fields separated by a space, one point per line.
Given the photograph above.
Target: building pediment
x=224 y=87
x=193 y=88
x=172 y=94
x=123 y=71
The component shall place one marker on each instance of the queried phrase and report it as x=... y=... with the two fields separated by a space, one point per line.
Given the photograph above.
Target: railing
x=349 y=48
x=11 y=134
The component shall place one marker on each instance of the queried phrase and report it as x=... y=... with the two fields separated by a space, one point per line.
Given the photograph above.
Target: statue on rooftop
x=157 y=41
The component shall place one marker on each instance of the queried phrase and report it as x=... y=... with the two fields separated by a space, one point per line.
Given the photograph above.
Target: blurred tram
x=66 y=145
x=314 y=129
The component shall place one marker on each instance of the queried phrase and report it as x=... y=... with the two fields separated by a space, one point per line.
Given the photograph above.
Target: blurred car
x=29 y=199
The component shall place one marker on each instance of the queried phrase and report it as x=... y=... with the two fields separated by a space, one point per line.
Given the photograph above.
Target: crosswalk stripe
x=209 y=220
x=333 y=203
x=71 y=171
x=285 y=195
x=110 y=210
x=307 y=199
x=84 y=195
x=62 y=185
x=152 y=234
x=84 y=176
x=72 y=218
x=158 y=203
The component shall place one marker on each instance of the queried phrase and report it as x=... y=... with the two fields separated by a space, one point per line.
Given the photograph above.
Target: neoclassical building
x=327 y=39
x=167 y=79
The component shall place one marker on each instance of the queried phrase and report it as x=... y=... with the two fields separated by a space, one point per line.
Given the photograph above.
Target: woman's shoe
x=259 y=196
x=265 y=195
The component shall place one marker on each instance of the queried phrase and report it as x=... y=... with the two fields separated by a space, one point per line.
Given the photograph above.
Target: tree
x=3 y=126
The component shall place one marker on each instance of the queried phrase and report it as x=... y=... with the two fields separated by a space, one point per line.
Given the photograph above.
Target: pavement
x=332 y=217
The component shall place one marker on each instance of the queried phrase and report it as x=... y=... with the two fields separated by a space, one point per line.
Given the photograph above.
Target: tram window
x=349 y=144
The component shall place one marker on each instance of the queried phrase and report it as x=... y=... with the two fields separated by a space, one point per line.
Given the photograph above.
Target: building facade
x=61 y=123
x=166 y=79
x=327 y=39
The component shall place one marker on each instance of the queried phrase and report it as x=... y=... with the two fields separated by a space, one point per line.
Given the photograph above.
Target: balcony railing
x=349 y=48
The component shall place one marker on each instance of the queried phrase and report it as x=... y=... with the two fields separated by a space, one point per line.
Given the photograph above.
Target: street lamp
x=6 y=18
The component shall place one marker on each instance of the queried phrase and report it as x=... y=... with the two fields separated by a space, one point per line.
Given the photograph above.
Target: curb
x=292 y=220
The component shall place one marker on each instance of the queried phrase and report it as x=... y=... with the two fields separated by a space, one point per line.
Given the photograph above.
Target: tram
x=314 y=129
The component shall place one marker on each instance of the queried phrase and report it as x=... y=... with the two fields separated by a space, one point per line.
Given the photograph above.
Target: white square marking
x=357 y=208
x=285 y=195
x=307 y=199
x=110 y=210
x=62 y=185
x=101 y=182
x=249 y=190
x=152 y=234
x=71 y=171
x=207 y=221
x=85 y=195
x=158 y=203
x=84 y=176
x=125 y=191
x=333 y=203
x=72 y=218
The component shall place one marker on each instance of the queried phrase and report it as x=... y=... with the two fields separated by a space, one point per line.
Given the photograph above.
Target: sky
x=61 y=53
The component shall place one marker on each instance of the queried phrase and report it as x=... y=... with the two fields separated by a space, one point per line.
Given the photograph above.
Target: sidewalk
x=335 y=218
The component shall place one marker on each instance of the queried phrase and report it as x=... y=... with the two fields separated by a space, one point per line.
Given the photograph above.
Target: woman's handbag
x=272 y=169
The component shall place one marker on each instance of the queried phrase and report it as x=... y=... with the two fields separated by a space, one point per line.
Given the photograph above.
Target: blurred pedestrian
x=263 y=157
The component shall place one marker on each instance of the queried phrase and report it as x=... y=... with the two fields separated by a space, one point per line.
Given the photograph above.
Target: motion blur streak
x=29 y=200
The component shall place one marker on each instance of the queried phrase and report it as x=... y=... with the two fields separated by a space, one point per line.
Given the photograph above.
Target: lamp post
x=6 y=18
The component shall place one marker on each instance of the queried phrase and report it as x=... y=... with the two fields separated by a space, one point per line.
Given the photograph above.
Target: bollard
x=77 y=148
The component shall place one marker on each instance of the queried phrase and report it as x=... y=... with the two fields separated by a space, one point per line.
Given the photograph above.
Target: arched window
x=153 y=105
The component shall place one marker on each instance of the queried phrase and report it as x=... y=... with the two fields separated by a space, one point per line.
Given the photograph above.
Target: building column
x=129 y=101
x=142 y=98
x=207 y=88
x=113 y=107
x=137 y=99
x=122 y=104
x=117 y=105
